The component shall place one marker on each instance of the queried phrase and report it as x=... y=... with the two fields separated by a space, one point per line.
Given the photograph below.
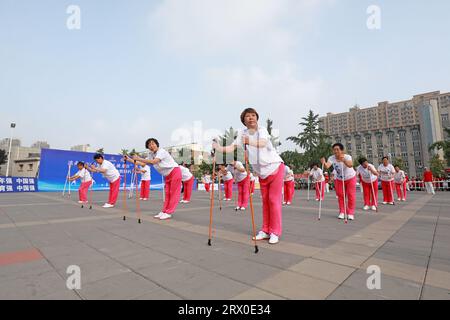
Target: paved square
x=42 y=234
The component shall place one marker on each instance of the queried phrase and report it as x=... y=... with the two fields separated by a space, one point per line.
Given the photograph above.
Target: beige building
x=24 y=162
x=189 y=153
x=81 y=148
x=404 y=129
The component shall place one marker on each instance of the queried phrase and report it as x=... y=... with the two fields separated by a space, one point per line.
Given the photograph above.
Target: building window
x=30 y=167
x=20 y=167
x=444 y=117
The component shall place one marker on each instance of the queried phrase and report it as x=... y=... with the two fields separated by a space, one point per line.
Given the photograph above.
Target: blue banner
x=55 y=166
x=17 y=184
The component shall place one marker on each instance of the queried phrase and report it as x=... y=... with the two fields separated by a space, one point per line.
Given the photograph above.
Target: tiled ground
x=42 y=234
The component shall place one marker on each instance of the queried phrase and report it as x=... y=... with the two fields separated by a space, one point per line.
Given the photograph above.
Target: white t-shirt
x=146 y=176
x=288 y=174
x=399 y=177
x=386 y=173
x=238 y=175
x=185 y=174
x=366 y=175
x=207 y=178
x=317 y=175
x=227 y=176
x=85 y=176
x=111 y=174
x=348 y=174
x=166 y=165
x=265 y=161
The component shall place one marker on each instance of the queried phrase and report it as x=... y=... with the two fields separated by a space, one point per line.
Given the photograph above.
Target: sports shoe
x=107 y=205
x=165 y=216
x=351 y=217
x=158 y=215
x=341 y=216
x=243 y=209
x=288 y=203
x=384 y=202
x=366 y=208
x=374 y=208
x=284 y=202
x=273 y=239
x=403 y=200
x=317 y=199
x=237 y=208
x=391 y=203
x=398 y=199
x=144 y=199
x=185 y=201
x=141 y=198
x=182 y=201
x=261 y=236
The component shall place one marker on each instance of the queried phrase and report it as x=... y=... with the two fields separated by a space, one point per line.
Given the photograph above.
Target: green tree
x=444 y=146
x=3 y=156
x=100 y=151
x=309 y=138
x=124 y=152
x=226 y=139
x=398 y=162
x=295 y=160
x=437 y=166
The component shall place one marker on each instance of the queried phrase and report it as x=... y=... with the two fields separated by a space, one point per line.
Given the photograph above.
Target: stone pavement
x=42 y=234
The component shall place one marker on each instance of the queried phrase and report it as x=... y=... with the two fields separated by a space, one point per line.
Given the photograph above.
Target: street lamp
x=13 y=125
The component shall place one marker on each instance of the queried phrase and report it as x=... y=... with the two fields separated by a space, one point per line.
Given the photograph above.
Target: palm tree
x=310 y=137
x=124 y=152
x=275 y=140
x=100 y=151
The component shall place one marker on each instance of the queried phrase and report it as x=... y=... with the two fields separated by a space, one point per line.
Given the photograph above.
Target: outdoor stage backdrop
x=55 y=165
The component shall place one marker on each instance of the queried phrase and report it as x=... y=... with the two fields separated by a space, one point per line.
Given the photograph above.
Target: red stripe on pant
x=114 y=188
x=145 y=189
x=228 y=188
x=350 y=195
x=188 y=189
x=271 y=191
x=172 y=191
x=83 y=191
x=401 y=190
x=320 y=187
x=370 y=195
x=243 y=192
x=388 y=191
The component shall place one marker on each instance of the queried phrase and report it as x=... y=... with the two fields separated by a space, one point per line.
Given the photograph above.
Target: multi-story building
x=24 y=162
x=402 y=129
x=40 y=145
x=189 y=153
x=81 y=148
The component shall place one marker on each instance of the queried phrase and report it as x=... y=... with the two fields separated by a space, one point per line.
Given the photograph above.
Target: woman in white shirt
x=110 y=173
x=387 y=173
x=227 y=178
x=369 y=183
x=400 y=183
x=345 y=180
x=289 y=186
x=318 y=179
x=188 y=182
x=206 y=180
x=86 y=182
x=163 y=162
x=243 y=183
x=146 y=179
x=268 y=166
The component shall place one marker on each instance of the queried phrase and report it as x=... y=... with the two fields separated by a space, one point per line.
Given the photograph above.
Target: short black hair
x=80 y=163
x=98 y=156
x=312 y=164
x=340 y=145
x=151 y=140
x=246 y=111
x=387 y=158
x=362 y=160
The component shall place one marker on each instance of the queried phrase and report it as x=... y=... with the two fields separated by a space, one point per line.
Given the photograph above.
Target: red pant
x=350 y=195
x=228 y=188
x=207 y=187
x=243 y=192
x=289 y=190
x=388 y=191
x=320 y=188
x=401 y=190
x=252 y=186
x=145 y=189
x=370 y=195
x=271 y=191
x=114 y=188
x=172 y=190
x=83 y=191
x=188 y=189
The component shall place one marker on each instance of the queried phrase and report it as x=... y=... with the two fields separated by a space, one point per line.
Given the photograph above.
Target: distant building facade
x=81 y=148
x=403 y=129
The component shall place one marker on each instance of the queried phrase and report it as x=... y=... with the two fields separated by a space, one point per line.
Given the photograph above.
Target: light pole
x=13 y=125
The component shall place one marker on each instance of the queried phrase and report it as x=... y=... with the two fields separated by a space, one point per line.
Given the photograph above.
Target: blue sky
x=137 y=69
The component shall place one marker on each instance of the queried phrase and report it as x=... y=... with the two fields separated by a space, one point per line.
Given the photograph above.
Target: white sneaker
x=284 y=202
x=237 y=208
x=398 y=199
x=317 y=199
x=374 y=208
x=273 y=239
x=384 y=202
x=185 y=201
x=158 y=215
x=182 y=201
x=288 y=203
x=391 y=203
x=141 y=198
x=341 y=216
x=165 y=216
x=403 y=200
x=261 y=236
x=107 y=205
x=80 y=201
x=243 y=209
x=144 y=199
x=351 y=217
x=366 y=208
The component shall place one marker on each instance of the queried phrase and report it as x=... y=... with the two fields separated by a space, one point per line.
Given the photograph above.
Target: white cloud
x=236 y=26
